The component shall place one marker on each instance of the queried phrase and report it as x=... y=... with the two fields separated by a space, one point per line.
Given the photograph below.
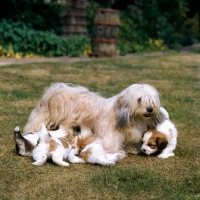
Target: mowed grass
x=176 y=77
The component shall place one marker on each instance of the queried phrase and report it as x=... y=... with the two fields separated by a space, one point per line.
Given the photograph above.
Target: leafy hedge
x=18 y=38
x=42 y=16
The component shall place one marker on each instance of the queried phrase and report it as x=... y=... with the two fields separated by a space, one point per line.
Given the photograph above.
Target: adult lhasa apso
x=119 y=121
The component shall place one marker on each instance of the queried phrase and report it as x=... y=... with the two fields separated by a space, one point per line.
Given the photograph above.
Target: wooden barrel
x=73 y=21
x=105 y=32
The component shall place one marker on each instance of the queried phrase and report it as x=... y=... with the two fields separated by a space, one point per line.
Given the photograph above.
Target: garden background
x=30 y=28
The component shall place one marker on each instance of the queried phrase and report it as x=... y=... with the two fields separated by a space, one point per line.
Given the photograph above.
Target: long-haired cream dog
x=119 y=121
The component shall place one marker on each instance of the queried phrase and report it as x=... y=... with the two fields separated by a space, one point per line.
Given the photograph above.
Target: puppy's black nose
x=144 y=150
x=149 y=109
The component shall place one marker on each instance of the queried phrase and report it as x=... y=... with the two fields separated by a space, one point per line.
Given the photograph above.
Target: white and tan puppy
x=26 y=143
x=119 y=121
x=51 y=147
x=163 y=138
x=90 y=149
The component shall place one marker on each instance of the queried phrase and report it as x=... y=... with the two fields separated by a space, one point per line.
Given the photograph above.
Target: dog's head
x=24 y=145
x=139 y=103
x=153 y=141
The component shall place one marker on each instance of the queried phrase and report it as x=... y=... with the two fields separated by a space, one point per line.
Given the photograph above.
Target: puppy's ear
x=162 y=115
x=122 y=111
x=164 y=112
x=161 y=143
x=160 y=118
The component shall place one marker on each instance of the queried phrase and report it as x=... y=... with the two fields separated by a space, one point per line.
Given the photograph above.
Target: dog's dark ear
x=161 y=143
x=122 y=111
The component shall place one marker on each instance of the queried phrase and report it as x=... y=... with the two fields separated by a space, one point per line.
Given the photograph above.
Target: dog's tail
x=44 y=136
x=17 y=135
x=17 y=130
x=19 y=139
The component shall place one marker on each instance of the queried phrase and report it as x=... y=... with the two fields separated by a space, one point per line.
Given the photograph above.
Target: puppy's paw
x=134 y=151
x=120 y=156
x=36 y=163
x=110 y=163
x=165 y=155
x=65 y=164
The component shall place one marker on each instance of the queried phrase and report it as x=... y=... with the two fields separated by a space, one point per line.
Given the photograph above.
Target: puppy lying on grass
x=59 y=145
x=163 y=138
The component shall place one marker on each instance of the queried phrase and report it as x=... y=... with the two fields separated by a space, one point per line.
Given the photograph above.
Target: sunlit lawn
x=176 y=77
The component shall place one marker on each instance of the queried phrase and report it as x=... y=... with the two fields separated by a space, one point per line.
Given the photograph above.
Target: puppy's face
x=153 y=141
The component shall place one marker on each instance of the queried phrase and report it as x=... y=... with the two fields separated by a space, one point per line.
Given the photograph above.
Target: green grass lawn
x=176 y=77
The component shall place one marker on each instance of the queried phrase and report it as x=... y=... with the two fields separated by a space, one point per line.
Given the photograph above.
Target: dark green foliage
x=76 y=45
x=187 y=40
x=25 y=40
x=152 y=19
x=42 y=16
x=140 y=22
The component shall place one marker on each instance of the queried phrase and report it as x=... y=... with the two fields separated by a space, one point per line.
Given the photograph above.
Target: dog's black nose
x=149 y=109
x=144 y=150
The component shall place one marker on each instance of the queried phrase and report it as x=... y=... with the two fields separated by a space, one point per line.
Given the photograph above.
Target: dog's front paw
x=64 y=164
x=36 y=163
x=165 y=155
x=120 y=156
x=110 y=163
x=135 y=152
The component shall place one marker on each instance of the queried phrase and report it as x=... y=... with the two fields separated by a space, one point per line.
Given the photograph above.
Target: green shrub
x=76 y=45
x=16 y=37
x=41 y=15
x=143 y=25
x=187 y=40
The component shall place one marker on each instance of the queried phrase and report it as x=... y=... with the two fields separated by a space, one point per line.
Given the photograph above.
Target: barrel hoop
x=107 y=10
x=106 y=23
x=105 y=40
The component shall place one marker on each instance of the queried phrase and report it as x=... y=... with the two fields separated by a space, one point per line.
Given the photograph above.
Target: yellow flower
x=17 y=55
x=150 y=41
x=162 y=48
x=87 y=51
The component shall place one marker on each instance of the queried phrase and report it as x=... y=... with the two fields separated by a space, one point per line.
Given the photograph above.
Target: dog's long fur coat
x=119 y=121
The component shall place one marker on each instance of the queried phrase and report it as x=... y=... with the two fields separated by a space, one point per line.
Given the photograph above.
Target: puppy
x=163 y=138
x=25 y=144
x=51 y=147
x=90 y=149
